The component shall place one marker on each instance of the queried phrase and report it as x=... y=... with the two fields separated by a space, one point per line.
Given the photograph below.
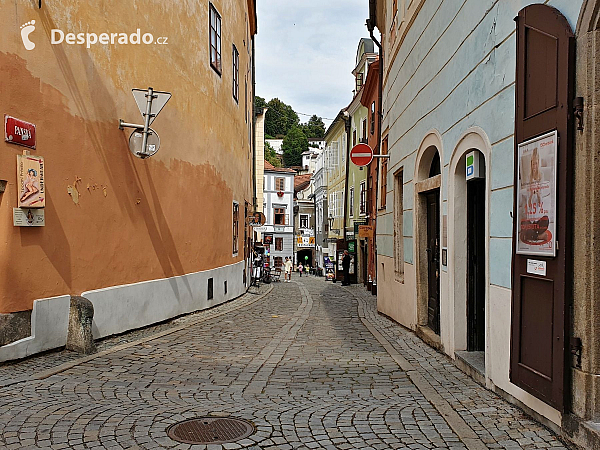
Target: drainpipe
x=371 y=27
x=254 y=196
x=348 y=124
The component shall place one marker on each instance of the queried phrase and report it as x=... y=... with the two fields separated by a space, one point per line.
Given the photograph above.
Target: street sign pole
x=149 y=96
x=150 y=104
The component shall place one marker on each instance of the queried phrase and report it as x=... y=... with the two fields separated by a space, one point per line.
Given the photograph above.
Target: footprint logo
x=26 y=30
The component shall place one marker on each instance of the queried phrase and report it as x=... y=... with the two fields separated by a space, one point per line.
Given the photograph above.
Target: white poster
x=536 y=197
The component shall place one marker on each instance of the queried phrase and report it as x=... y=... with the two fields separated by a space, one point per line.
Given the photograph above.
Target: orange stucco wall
x=136 y=219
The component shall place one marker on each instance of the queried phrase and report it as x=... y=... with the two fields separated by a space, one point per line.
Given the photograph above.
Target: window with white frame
x=303 y=220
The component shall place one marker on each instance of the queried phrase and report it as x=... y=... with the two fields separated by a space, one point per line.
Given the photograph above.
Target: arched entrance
x=305 y=257
x=469 y=261
x=427 y=204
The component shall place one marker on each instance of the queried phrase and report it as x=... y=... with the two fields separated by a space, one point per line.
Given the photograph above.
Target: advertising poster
x=536 y=197
x=30 y=176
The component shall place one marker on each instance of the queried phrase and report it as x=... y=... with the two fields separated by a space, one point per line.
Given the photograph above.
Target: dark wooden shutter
x=544 y=90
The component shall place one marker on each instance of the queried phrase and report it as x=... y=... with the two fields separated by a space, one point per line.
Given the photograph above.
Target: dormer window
x=359 y=81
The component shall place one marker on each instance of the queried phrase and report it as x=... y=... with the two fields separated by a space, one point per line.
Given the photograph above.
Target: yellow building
x=137 y=237
x=335 y=166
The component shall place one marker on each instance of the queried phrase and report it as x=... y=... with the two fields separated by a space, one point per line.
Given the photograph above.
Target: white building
x=319 y=181
x=275 y=145
x=278 y=204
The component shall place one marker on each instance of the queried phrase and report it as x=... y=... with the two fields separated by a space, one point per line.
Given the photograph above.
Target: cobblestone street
x=310 y=363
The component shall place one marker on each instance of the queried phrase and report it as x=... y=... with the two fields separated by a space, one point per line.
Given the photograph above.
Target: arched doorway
x=470 y=261
x=305 y=257
x=427 y=191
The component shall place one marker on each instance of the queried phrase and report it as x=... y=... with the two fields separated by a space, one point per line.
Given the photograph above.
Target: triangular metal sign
x=158 y=102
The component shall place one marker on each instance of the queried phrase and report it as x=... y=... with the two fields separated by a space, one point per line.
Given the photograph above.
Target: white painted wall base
x=49 y=325
x=127 y=307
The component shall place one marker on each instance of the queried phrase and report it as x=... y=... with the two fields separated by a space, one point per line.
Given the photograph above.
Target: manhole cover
x=210 y=430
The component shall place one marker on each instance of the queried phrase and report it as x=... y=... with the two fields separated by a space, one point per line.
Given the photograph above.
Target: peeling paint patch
x=74 y=193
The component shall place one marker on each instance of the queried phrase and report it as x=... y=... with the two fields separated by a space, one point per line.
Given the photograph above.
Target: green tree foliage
x=271 y=155
x=294 y=144
x=280 y=118
x=259 y=102
x=314 y=128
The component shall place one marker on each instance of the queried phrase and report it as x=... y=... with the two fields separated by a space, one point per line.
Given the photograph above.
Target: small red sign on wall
x=19 y=132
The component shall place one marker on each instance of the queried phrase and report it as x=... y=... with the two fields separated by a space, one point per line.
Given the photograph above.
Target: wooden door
x=544 y=94
x=433 y=261
x=476 y=265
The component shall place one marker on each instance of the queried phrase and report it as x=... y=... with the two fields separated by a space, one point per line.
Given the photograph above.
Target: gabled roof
x=271 y=168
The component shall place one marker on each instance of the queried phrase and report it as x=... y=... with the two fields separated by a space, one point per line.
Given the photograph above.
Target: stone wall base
x=14 y=326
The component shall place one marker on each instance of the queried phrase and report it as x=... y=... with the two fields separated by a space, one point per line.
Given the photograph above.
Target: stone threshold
x=472 y=363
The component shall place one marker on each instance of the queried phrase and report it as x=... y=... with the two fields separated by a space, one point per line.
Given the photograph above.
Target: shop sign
x=358 y=223
x=268 y=239
x=365 y=231
x=305 y=241
x=536 y=267
x=536 y=196
x=257 y=219
x=30 y=176
x=28 y=217
x=19 y=132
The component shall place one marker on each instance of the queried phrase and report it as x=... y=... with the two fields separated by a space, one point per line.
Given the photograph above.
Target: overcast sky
x=306 y=50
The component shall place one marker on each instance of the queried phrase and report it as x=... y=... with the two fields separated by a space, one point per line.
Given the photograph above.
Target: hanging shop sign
x=305 y=241
x=474 y=165
x=19 y=132
x=365 y=231
x=536 y=198
x=28 y=217
x=30 y=176
x=257 y=219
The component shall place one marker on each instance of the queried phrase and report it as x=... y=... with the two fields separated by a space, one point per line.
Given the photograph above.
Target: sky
x=306 y=51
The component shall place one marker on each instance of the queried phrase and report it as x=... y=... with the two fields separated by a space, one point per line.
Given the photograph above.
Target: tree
x=271 y=155
x=280 y=118
x=294 y=144
x=314 y=128
x=259 y=102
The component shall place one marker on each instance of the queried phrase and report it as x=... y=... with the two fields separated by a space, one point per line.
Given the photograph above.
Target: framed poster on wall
x=536 y=196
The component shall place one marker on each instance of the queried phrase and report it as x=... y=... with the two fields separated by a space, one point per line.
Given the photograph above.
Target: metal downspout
x=371 y=27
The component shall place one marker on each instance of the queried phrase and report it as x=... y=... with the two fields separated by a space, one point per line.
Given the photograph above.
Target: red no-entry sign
x=361 y=155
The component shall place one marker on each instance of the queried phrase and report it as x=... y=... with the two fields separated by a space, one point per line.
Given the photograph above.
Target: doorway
x=305 y=257
x=476 y=265
x=433 y=261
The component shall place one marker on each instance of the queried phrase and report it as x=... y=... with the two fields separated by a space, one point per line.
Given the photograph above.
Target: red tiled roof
x=271 y=168
x=301 y=181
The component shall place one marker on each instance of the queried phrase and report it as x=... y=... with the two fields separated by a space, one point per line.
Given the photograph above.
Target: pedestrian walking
x=346 y=268
x=300 y=269
x=287 y=276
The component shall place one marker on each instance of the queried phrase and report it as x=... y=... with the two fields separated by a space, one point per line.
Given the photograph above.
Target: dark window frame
x=373 y=117
x=235 y=226
x=216 y=63
x=279 y=212
x=278 y=244
x=236 y=73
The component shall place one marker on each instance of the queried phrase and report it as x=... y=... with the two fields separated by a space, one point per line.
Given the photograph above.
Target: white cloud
x=306 y=50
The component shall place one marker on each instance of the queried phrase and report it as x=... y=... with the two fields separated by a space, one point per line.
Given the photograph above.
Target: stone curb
x=69 y=365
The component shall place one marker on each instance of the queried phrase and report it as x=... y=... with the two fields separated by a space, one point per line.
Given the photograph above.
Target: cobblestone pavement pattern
x=311 y=364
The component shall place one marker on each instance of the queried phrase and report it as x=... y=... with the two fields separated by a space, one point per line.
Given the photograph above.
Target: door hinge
x=576 y=347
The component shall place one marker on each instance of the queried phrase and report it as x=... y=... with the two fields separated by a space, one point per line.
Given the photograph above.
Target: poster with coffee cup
x=536 y=197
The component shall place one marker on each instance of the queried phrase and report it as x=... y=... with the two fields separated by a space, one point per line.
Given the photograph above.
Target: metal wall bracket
x=576 y=347
x=578 y=112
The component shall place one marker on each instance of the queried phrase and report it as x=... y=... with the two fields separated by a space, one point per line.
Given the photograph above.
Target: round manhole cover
x=210 y=430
